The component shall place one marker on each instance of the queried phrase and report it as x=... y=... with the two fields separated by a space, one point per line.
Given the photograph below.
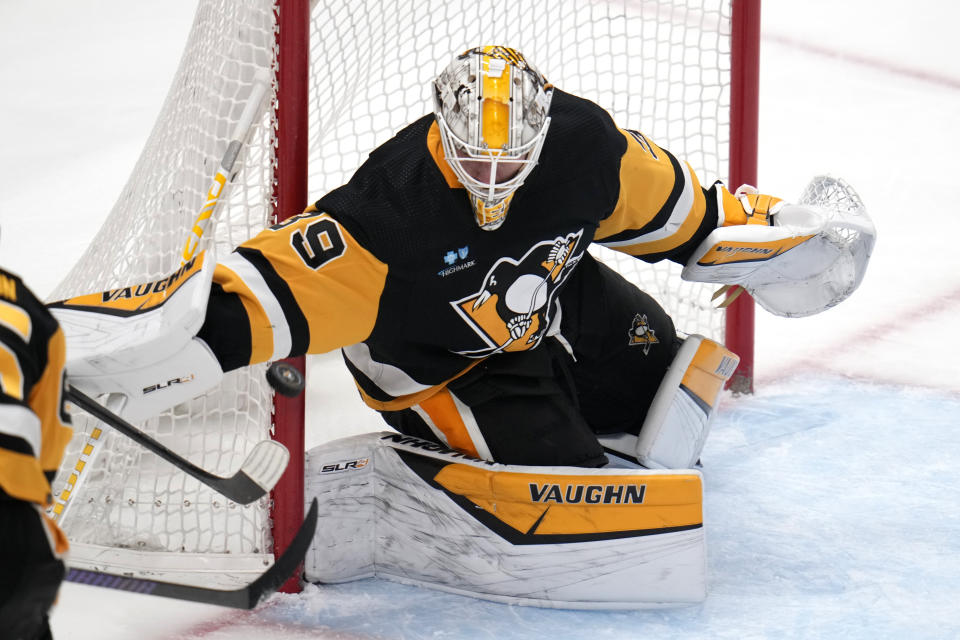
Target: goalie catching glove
x=794 y=259
x=139 y=341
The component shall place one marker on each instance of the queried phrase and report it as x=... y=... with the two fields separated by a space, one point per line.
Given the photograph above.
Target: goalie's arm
x=662 y=212
x=302 y=286
x=795 y=260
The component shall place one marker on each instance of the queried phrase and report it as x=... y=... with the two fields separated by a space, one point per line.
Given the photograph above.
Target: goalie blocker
x=138 y=342
x=412 y=511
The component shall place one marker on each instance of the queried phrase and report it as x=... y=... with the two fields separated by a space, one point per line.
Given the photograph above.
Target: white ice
x=832 y=494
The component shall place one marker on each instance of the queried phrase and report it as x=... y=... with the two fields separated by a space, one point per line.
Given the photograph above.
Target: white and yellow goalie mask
x=492 y=109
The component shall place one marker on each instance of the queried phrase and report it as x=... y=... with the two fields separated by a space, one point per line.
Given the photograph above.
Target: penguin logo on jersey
x=641 y=333
x=511 y=311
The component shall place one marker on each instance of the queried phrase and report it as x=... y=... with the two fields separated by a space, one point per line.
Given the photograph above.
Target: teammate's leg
x=30 y=571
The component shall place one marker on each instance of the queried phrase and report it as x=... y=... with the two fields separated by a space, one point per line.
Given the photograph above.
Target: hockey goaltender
x=546 y=415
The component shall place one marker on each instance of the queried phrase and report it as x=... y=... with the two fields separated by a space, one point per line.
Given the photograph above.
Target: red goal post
x=744 y=131
x=292 y=125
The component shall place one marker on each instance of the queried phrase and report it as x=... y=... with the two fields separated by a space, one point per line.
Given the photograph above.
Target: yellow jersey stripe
x=16 y=319
x=22 y=478
x=684 y=220
x=46 y=400
x=11 y=376
x=443 y=413
x=458 y=428
x=435 y=147
x=396 y=403
x=648 y=178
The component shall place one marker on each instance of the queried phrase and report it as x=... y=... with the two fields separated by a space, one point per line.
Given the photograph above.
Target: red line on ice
x=867 y=61
x=941 y=304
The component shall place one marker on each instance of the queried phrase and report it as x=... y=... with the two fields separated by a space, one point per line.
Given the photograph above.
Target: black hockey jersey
x=393 y=268
x=34 y=427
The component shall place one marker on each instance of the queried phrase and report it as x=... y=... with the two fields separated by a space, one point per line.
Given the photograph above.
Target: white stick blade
x=266 y=463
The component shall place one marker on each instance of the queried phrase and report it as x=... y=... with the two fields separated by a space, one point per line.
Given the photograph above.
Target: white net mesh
x=124 y=496
x=660 y=67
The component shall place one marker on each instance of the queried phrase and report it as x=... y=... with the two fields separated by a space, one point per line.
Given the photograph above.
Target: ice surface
x=832 y=495
x=820 y=525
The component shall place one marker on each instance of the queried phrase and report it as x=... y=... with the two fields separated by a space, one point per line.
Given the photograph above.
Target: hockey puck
x=285 y=379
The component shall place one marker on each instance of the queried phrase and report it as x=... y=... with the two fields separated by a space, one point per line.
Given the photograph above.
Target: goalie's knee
x=678 y=421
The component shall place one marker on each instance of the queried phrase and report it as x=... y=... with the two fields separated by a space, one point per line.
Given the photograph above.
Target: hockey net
x=661 y=67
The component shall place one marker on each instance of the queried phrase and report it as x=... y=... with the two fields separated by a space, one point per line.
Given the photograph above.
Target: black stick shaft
x=239 y=487
x=246 y=597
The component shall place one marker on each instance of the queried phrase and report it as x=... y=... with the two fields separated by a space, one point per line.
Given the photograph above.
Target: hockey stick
x=88 y=454
x=250 y=111
x=244 y=598
x=257 y=475
x=252 y=108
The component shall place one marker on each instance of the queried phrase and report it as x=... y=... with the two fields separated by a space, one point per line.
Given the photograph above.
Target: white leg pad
x=679 y=418
x=403 y=509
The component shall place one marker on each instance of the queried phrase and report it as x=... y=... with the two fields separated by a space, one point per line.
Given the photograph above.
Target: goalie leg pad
x=677 y=424
x=412 y=511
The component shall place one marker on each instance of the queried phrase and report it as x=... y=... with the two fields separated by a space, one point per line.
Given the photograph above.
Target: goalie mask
x=491 y=107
